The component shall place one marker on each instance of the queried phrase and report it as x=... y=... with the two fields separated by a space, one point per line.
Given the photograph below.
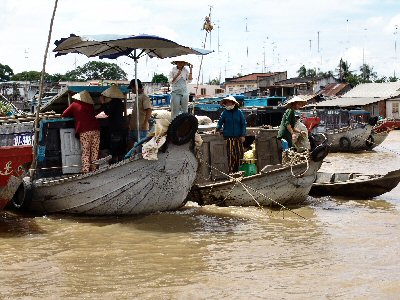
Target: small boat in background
x=354 y=185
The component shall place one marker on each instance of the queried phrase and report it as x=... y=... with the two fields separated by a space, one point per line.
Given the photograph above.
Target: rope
x=292 y=158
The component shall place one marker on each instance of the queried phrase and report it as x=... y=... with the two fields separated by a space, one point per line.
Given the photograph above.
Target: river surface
x=343 y=250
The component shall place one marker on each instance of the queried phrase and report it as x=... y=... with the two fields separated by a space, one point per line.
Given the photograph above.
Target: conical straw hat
x=83 y=96
x=113 y=92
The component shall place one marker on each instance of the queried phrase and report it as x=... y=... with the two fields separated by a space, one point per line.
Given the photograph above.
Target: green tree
x=159 y=78
x=311 y=73
x=97 y=70
x=5 y=73
x=214 y=81
x=367 y=73
x=302 y=71
x=27 y=76
x=393 y=78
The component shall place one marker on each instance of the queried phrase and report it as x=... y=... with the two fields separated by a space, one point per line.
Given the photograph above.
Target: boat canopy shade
x=112 y=46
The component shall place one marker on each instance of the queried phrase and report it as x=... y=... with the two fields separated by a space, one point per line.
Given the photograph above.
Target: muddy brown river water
x=345 y=249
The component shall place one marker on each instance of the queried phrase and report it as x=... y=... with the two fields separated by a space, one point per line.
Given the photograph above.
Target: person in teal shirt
x=286 y=129
x=233 y=125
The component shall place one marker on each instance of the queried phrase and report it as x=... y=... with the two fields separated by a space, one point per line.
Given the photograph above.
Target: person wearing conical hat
x=287 y=130
x=233 y=125
x=117 y=134
x=86 y=127
x=178 y=78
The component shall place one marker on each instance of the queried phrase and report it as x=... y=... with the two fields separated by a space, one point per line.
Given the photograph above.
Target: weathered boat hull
x=14 y=162
x=348 y=140
x=360 y=187
x=377 y=139
x=280 y=185
x=127 y=188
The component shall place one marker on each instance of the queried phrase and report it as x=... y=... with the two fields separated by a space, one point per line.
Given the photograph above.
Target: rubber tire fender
x=182 y=129
x=344 y=143
x=370 y=142
x=23 y=196
x=320 y=152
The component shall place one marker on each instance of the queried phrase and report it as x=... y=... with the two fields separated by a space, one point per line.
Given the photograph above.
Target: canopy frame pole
x=137 y=98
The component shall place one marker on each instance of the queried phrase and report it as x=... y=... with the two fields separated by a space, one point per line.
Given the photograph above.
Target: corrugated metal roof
x=377 y=90
x=333 y=89
x=250 y=77
x=347 y=102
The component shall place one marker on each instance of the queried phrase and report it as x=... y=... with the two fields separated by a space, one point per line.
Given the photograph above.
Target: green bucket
x=248 y=169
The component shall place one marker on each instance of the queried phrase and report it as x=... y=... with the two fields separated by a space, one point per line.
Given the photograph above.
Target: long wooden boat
x=273 y=184
x=14 y=163
x=129 y=187
x=354 y=185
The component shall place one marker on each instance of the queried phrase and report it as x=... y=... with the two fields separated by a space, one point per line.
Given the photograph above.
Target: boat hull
x=363 y=187
x=14 y=162
x=128 y=188
x=281 y=185
x=348 y=140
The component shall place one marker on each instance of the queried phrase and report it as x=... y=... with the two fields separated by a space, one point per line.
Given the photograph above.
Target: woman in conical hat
x=114 y=108
x=287 y=130
x=233 y=125
x=86 y=127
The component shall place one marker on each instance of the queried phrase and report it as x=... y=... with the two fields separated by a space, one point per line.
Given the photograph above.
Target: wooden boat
x=15 y=155
x=129 y=187
x=14 y=163
x=346 y=130
x=348 y=139
x=273 y=184
x=354 y=185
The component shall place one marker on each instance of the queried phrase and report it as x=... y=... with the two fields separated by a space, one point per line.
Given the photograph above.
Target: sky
x=249 y=36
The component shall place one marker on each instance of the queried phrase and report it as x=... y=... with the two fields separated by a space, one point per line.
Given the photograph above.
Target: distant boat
x=354 y=185
x=346 y=130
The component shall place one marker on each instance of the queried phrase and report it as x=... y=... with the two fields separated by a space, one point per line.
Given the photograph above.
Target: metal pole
x=137 y=98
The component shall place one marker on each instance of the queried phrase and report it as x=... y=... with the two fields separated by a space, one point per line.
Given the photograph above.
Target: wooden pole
x=36 y=129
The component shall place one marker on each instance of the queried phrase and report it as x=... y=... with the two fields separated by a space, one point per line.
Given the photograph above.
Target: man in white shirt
x=178 y=78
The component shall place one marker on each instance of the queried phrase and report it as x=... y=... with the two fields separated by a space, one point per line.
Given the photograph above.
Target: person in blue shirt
x=233 y=125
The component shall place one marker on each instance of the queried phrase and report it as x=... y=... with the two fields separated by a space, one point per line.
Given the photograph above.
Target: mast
x=36 y=129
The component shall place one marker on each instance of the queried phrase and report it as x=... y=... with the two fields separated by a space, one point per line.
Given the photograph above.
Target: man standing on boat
x=233 y=123
x=178 y=78
x=144 y=113
x=287 y=130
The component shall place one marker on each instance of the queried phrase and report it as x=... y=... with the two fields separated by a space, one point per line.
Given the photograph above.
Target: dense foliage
x=159 y=78
x=366 y=74
x=97 y=70
x=5 y=72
